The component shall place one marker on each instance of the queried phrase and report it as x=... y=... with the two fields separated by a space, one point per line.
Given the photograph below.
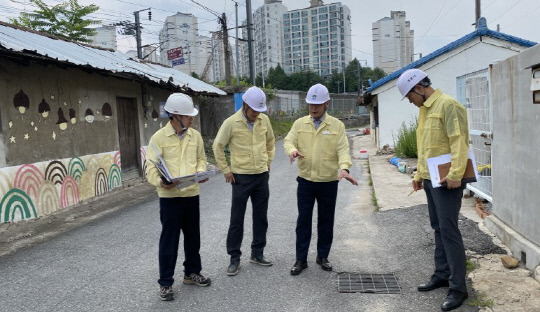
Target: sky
x=435 y=22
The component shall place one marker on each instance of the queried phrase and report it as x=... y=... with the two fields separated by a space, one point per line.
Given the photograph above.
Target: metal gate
x=473 y=93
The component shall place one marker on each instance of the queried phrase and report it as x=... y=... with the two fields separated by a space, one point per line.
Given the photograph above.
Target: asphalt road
x=110 y=264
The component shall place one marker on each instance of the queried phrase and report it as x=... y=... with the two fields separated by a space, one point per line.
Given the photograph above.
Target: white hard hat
x=409 y=79
x=317 y=94
x=180 y=104
x=255 y=98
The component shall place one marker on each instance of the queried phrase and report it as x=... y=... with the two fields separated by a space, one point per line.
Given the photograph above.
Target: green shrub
x=405 y=143
x=281 y=126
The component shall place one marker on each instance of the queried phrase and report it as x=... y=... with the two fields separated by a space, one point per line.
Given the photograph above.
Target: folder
x=439 y=166
x=468 y=176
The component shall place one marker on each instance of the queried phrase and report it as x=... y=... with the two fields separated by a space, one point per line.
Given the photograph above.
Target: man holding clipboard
x=179 y=148
x=442 y=129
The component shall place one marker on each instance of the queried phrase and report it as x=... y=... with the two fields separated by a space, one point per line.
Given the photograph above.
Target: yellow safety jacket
x=182 y=157
x=252 y=152
x=442 y=129
x=325 y=150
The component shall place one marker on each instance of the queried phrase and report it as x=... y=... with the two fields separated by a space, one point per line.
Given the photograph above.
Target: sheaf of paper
x=434 y=162
x=188 y=180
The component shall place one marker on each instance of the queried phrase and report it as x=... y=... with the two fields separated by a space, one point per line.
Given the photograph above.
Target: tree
x=64 y=20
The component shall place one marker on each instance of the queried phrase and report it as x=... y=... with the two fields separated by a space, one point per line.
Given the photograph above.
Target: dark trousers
x=256 y=187
x=444 y=205
x=325 y=193
x=178 y=213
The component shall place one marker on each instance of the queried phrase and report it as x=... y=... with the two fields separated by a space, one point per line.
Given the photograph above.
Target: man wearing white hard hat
x=182 y=150
x=321 y=146
x=442 y=129
x=250 y=138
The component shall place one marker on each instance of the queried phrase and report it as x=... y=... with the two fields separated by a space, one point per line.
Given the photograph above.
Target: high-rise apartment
x=181 y=45
x=393 y=42
x=317 y=38
x=267 y=36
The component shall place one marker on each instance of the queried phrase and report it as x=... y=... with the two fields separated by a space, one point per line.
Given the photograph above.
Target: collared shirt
x=251 y=151
x=317 y=122
x=325 y=149
x=442 y=129
x=182 y=157
x=249 y=123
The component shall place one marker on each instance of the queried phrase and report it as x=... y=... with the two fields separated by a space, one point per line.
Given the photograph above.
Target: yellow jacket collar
x=169 y=130
x=239 y=116
x=433 y=98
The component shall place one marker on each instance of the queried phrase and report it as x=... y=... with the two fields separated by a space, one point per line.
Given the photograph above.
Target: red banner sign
x=174 y=53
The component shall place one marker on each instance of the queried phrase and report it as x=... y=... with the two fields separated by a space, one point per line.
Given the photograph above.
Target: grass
x=481 y=300
x=281 y=126
x=471 y=266
x=405 y=142
x=374 y=201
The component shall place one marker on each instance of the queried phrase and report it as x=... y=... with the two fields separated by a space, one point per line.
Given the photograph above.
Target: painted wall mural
x=33 y=190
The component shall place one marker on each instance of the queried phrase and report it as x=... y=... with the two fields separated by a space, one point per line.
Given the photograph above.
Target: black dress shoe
x=454 y=300
x=324 y=263
x=298 y=267
x=433 y=284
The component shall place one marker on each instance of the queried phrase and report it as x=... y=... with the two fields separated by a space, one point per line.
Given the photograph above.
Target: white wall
x=516 y=154
x=443 y=70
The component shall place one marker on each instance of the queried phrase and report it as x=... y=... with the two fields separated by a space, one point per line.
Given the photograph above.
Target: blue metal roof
x=482 y=30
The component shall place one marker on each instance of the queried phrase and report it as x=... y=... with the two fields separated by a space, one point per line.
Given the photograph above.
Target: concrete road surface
x=110 y=264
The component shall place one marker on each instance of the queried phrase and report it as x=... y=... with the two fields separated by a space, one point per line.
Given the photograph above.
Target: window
x=314 y=25
x=295 y=21
x=304 y=20
x=295 y=14
x=314 y=18
x=306 y=47
x=323 y=24
x=323 y=16
x=323 y=10
x=314 y=32
x=304 y=13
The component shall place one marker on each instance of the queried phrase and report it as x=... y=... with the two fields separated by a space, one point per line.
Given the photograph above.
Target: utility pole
x=250 y=42
x=236 y=44
x=138 y=30
x=225 y=33
x=360 y=86
x=477 y=12
x=138 y=34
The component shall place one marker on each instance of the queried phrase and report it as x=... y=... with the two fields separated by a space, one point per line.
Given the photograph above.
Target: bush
x=405 y=143
x=281 y=126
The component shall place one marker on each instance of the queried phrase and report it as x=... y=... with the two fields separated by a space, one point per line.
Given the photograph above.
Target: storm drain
x=368 y=283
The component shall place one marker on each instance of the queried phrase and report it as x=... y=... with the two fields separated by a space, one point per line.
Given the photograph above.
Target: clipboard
x=439 y=166
x=469 y=175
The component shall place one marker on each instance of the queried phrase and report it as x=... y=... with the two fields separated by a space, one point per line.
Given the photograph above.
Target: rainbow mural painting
x=34 y=190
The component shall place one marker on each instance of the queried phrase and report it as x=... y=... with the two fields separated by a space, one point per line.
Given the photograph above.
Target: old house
x=75 y=119
x=470 y=53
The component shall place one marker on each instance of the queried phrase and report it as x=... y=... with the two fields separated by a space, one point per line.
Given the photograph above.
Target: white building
x=317 y=38
x=105 y=37
x=468 y=54
x=267 y=36
x=181 y=44
x=393 y=42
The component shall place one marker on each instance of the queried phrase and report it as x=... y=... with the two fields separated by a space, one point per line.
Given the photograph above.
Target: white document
x=434 y=162
x=184 y=181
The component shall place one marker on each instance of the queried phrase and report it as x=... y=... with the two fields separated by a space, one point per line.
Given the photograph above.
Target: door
x=473 y=93
x=127 y=134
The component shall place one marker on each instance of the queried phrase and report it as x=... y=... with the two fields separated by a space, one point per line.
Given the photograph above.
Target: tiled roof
x=482 y=30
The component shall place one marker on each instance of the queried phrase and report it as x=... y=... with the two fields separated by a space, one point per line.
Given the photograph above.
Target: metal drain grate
x=368 y=283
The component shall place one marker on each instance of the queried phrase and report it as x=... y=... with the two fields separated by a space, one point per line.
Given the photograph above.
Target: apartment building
x=181 y=45
x=317 y=38
x=393 y=42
